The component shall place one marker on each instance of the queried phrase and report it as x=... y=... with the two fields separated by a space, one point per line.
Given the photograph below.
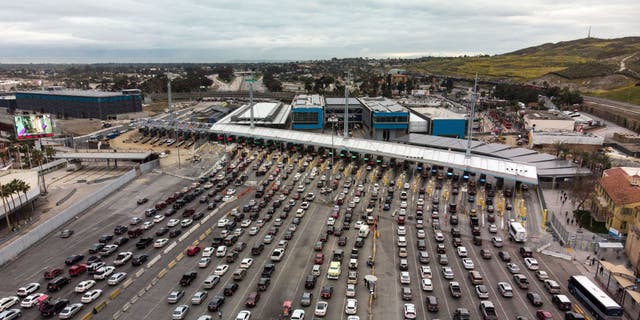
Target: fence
x=25 y=241
x=576 y=240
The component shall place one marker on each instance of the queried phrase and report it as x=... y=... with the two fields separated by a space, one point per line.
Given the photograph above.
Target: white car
x=297 y=314
x=103 y=272
x=30 y=300
x=462 y=251
x=447 y=272
x=221 y=270
x=351 y=307
x=505 y=289
x=482 y=291
x=204 y=262
x=531 y=263
x=147 y=225
x=409 y=311
x=421 y=234
x=425 y=272
x=351 y=290
x=245 y=223
x=542 y=275
x=173 y=222
x=69 y=311
x=28 y=289
x=231 y=191
x=493 y=228
x=426 y=284
x=405 y=278
x=221 y=251
x=84 y=286
x=439 y=236
x=91 y=295
x=277 y=254
x=304 y=205
x=8 y=302
x=222 y=222
x=116 y=278
x=402 y=231
x=122 y=258
x=159 y=243
x=497 y=242
x=238 y=232
x=331 y=221
x=246 y=263
x=358 y=224
x=208 y=251
x=254 y=230
x=321 y=308
x=267 y=239
x=158 y=218
x=468 y=263
x=243 y=315
x=513 y=268
x=186 y=222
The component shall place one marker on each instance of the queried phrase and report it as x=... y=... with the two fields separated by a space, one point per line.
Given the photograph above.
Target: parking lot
x=287 y=179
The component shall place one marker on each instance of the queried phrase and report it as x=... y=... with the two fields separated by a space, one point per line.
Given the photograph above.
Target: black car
x=268 y=269
x=139 y=260
x=230 y=289
x=215 y=303
x=120 y=230
x=144 y=242
x=175 y=233
x=310 y=282
x=162 y=231
x=105 y=238
x=187 y=278
x=121 y=240
x=92 y=259
x=198 y=216
x=73 y=259
x=50 y=308
x=504 y=256
x=96 y=247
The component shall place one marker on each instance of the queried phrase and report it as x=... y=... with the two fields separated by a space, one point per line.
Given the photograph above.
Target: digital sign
x=33 y=126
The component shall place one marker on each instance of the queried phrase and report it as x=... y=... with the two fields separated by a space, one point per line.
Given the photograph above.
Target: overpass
x=139 y=157
x=501 y=168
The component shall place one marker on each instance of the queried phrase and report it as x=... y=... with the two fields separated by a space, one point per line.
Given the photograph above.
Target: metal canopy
x=104 y=155
x=481 y=164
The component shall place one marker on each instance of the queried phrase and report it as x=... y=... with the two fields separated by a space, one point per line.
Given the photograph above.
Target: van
x=230 y=240
x=239 y=274
x=359 y=242
x=364 y=230
x=77 y=269
x=562 y=302
x=526 y=252
x=57 y=283
x=432 y=304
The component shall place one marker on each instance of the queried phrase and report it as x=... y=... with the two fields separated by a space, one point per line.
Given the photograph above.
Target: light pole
x=333 y=119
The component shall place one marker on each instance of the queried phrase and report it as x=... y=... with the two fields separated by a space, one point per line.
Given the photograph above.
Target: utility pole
x=474 y=97
x=251 y=80
x=169 y=92
x=346 y=106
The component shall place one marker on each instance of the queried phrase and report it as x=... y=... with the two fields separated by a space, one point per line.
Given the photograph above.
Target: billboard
x=33 y=126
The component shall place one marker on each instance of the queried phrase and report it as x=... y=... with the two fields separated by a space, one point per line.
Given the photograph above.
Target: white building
x=548 y=121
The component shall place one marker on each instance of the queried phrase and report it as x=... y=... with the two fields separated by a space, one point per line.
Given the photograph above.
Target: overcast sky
x=232 y=30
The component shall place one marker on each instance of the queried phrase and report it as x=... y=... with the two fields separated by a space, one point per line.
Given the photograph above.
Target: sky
x=90 y=31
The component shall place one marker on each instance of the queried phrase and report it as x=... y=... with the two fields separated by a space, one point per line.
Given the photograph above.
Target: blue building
x=443 y=122
x=307 y=112
x=384 y=118
x=336 y=106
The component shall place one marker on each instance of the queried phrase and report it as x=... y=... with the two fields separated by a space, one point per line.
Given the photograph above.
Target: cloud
x=226 y=30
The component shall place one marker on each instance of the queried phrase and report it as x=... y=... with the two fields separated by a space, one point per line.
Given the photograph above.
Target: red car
x=193 y=250
x=543 y=315
x=319 y=258
x=252 y=299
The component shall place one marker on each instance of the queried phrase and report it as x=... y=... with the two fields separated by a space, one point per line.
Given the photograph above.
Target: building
x=443 y=122
x=549 y=121
x=618 y=197
x=335 y=106
x=417 y=124
x=307 y=112
x=384 y=119
x=80 y=103
x=570 y=139
x=265 y=114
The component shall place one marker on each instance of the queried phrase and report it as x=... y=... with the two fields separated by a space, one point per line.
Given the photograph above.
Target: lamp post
x=333 y=119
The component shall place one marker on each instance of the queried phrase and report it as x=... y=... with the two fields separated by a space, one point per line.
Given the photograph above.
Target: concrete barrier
x=126 y=307
x=116 y=315
x=153 y=261
x=195 y=242
x=142 y=292
x=127 y=283
x=87 y=316
x=99 y=306
x=557 y=255
x=134 y=299
x=171 y=264
x=162 y=272
x=202 y=236
x=179 y=257
x=171 y=246
x=154 y=281
x=139 y=273
x=114 y=294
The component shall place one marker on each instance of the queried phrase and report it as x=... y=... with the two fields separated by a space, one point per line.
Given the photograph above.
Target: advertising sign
x=33 y=126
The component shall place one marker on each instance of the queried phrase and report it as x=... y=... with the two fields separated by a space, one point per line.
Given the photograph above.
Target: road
x=145 y=295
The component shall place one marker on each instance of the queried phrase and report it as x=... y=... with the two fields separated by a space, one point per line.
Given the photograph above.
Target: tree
x=4 y=193
x=12 y=187
x=50 y=152
x=2 y=156
x=581 y=190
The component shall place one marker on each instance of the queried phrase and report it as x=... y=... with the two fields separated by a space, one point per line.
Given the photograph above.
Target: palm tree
x=3 y=193
x=50 y=152
x=16 y=151
x=2 y=156
x=25 y=187
x=11 y=189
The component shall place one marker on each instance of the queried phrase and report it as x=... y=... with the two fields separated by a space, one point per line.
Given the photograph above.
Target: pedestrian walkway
x=563 y=209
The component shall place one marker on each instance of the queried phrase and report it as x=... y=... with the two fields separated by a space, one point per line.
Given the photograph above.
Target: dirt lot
x=78 y=127
x=125 y=143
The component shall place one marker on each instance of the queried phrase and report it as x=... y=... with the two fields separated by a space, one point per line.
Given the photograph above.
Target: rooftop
x=340 y=101
x=546 y=115
x=104 y=155
x=308 y=101
x=439 y=113
x=616 y=182
x=76 y=93
x=263 y=113
x=381 y=104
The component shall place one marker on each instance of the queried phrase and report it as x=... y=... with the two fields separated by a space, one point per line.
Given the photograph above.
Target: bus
x=594 y=299
x=517 y=232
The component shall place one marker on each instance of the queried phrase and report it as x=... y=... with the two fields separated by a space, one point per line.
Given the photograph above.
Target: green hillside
x=580 y=58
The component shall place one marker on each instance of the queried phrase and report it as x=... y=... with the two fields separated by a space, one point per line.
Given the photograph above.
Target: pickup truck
x=144 y=242
x=187 y=278
x=488 y=311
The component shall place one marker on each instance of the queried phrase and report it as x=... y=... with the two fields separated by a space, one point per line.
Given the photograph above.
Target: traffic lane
x=387 y=262
x=88 y=229
x=414 y=271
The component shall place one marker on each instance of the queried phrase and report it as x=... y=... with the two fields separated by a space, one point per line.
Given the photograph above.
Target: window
x=305 y=117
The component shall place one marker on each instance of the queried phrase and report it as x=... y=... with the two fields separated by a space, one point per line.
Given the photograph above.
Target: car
x=321 y=308
x=552 y=286
x=174 y=296
x=350 y=291
x=493 y=228
x=185 y=223
x=297 y=314
x=351 y=307
x=439 y=236
x=462 y=251
x=513 y=268
x=447 y=273
x=31 y=300
x=326 y=292
x=482 y=291
x=425 y=272
x=158 y=218
x=10 y=314
x=84 y=286
x=221 y=269
x=135 y=221
x=319 y=258
x=74 y=259
x=116 y=278
x=142 y=200
x=497 y=242
x=139 y=260
x=454 y=289
x=409 y=311
x=198 y=297
x=122 y=258
x=208 y=251
x=443 y=259
x=505 y=289
x=69 y=311
x=173 y=222
x=420 y=234
x=486 y=254
x=215 y=303
x=254 y=230
x=405 y=278
x=426 y=284
x=531 y=263
x=91 y=295
x=402 y=230
x=28 y=289
x=180 y=312
x=505 y=256
x=543 y=315
x=277 y=254
x=147 y=225
x=8 y=302
x=542 y=275
x=221 y=251
x=535 y=299
x=204 y=262
x=103 y=272
x=467 y=263
x=66 y=233
x=268 y=239
x=306 y=298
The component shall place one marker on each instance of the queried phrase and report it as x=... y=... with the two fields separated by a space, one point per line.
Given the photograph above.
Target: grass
x=627 y=94
x=584 y=219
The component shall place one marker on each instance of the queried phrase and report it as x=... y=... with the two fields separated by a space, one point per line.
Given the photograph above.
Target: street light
x=332 y=119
